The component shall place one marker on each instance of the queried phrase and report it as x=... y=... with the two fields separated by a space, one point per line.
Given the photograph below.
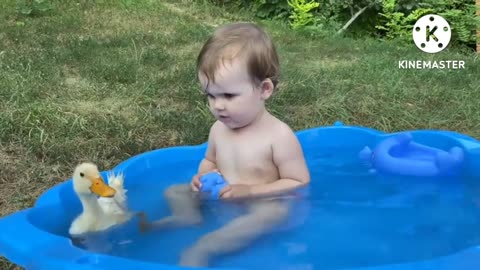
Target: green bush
x=390 y=19
x=271 y=9
x=302 y=14
x=264 y=9
x=33 y=7
x=398 y=17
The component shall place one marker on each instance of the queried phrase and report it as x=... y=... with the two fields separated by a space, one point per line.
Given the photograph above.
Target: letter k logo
x=430 y=33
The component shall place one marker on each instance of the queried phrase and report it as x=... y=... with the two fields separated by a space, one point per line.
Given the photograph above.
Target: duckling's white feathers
x=118 y=204
x=98 y=213
x=116 y=182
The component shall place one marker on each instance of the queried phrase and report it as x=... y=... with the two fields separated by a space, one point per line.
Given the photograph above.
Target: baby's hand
x=235 y=192
x=196 y=184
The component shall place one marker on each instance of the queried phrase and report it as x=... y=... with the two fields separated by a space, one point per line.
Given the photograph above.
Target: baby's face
x=233 y=98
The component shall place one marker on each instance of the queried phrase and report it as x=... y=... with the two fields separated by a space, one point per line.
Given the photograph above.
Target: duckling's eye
x=81 y=174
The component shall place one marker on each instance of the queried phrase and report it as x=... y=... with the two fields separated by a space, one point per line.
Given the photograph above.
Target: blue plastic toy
x=399 y=155
x=212 y=183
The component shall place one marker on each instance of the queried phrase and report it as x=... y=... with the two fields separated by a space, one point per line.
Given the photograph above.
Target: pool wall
x=31 y=237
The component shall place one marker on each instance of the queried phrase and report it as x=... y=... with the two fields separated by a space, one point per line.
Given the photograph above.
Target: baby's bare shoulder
x=215 y=128
x=282 y=137
x=280 y=128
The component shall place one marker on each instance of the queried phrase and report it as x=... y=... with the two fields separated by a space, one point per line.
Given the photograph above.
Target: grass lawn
x=105 y=80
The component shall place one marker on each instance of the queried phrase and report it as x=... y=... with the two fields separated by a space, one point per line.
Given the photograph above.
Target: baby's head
x=244 y=41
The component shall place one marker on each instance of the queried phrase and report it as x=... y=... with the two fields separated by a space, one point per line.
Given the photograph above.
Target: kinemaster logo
x=431 y=34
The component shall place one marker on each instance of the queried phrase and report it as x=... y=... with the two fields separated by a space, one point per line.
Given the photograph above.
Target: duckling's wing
x=118 y=204
x=116 y=182
x=110 y=207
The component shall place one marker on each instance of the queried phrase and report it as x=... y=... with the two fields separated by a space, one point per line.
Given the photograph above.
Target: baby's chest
x=245 y=158
x=244 y=152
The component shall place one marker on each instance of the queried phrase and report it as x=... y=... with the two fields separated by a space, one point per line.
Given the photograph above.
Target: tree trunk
x=354 y=17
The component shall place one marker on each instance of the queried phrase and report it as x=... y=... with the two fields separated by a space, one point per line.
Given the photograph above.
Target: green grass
x=105 y=80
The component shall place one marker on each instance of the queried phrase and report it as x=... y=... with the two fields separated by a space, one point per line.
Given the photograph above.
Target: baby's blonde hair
x=240 y=40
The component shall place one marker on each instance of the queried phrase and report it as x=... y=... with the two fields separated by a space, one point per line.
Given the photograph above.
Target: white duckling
x=98 y=213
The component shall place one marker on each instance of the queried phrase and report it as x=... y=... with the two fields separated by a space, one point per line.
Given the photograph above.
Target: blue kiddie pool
x=377 y=201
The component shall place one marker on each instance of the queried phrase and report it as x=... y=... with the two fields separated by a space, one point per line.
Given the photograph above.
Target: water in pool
x=349 y=219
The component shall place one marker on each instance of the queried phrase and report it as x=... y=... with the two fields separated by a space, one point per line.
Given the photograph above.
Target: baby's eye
x=229 y=96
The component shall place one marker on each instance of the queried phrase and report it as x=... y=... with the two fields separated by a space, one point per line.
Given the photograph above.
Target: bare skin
x=258 y=155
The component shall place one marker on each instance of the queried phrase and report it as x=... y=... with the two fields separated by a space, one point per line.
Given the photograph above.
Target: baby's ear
x=267 y=88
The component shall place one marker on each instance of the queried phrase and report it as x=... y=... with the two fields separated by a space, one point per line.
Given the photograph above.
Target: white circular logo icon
x=431 y=33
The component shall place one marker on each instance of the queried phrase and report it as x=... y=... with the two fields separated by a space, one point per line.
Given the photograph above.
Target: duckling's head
x=87 y=181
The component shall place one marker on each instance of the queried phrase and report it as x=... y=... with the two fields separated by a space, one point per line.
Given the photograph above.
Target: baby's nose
x=219 y=104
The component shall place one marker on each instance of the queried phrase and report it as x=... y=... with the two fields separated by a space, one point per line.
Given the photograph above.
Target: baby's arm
x=292 y=168
x=208 y=163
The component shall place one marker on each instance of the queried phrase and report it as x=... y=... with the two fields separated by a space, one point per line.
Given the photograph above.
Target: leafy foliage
x=302 y=15
x=387 y=19
x=276 y=9
x=394 y=23
x=398 y=17
x=33 y=7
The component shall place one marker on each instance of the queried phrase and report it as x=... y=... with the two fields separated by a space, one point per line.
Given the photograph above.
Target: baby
x=256 y=153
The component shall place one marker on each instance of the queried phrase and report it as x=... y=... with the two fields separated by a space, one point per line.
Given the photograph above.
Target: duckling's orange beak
x=100 y=188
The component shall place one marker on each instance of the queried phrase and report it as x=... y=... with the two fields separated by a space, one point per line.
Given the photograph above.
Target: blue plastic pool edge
x=42 y=250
